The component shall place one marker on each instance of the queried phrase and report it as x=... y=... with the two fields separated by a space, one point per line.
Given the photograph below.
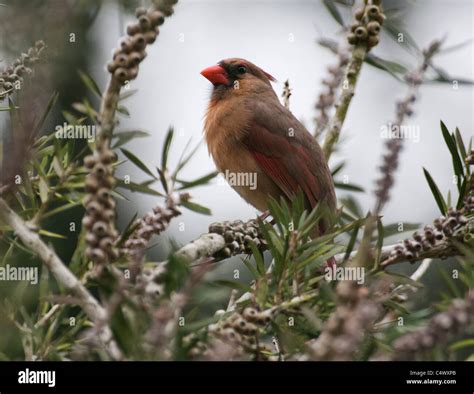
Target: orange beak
x=216 y=74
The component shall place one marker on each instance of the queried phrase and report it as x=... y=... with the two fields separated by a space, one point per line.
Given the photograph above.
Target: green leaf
x=462 y=344
x=251 y=268
x=451 y=143
x=379 y=244
x=460 y=143
x=62 y=208
x=51 y=103
x=462 y=192
x=183 y=160
x=136 y=187
x=351 y=243
x=233 y=285
x=258 y=259
x=196 y=207
x=51 y=234
x=348 y=186
x=166 y=148
x=135 y=160
x=394 y=69
x=197 y=182
x=332 y=8
x=393 y=26
x=126 y=136
x=436 y=193
x=90 y=84
x=338 y=168
x=123 y=110
x=127 y=94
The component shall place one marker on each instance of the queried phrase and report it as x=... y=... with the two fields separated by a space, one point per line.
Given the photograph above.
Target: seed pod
x=150 y=36
x=100 y=228
x=134 y=59
x=89 y=161
x=111 y=67
x=110 y=203
x=121 y=74
x=380 y=18
x=359 y=14
x=99 y=169
x=91 y=239
x=144 y=22
x=250 y=314
x=109 y=181
x=97 y=256
x=156 y=18
x=92 y=184
x=373 y=11
x=354 y=26
x=352 y=39
x=93 y=208
x=138 y=42
x=373 y=27
x=87 y=222
x=140 y=11
x=108 y=157
x=103 y=194
x=108 y=215
x=106 y=243
x=126 y=45
x=373 y=41
x=133 y=28
x=361 y=32
x=132 y=73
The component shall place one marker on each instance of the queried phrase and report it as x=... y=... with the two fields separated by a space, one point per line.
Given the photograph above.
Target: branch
x=63 y=275
x=100 y=206
x=439 y=330
x=364 y=36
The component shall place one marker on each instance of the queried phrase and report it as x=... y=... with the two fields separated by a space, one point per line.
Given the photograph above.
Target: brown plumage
x=247 y=130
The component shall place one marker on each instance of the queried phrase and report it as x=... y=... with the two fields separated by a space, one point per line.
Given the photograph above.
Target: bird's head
x=236 y=74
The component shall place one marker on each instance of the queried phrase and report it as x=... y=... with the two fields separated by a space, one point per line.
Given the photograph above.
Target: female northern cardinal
x=248 y=131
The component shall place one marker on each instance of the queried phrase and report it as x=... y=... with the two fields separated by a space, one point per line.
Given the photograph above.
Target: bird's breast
x=225 y=127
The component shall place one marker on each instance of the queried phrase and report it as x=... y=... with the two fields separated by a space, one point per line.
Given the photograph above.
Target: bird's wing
x=288 y=154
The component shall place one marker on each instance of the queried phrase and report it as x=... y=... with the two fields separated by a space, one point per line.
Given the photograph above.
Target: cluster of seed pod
x=343 y=332
x=439 y=330
x=238 y=236
x=126 y=59
x=443 y=227
x=239 y=329
x=20 y=67
x=153 y=223
x=366 y=29
x=100 y=207
x=327 y=99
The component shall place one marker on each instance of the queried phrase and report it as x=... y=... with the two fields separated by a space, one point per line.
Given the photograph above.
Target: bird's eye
x=242 y=69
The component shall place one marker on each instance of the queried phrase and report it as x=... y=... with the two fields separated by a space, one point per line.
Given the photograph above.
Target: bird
x=248 y=131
